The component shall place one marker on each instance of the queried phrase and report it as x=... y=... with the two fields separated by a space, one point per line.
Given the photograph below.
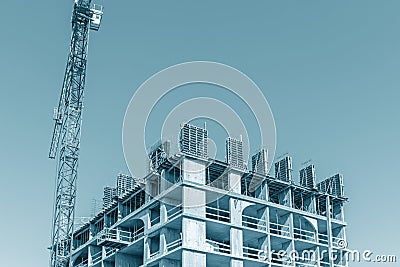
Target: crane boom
x=65 y=142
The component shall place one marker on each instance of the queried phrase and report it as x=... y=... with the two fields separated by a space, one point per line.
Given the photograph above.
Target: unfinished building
x=194 y=211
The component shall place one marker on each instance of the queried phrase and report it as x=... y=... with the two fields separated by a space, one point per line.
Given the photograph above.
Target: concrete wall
x=125 y=260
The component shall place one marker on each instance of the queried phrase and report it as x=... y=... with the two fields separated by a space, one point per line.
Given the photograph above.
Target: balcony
x=118 y=238
x=303 y=234
x=323 y=239
x=174 y=244
x=254 y=223
x=279 y=229
x=278 y=260
x=253 y=253
x=155 y=254
x=97 y=257
x=217 y=214
x=218 y=247
x=174 y=212
x=84 y=263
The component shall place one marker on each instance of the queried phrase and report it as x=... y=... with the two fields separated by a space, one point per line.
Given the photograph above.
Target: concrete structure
x=192 y=211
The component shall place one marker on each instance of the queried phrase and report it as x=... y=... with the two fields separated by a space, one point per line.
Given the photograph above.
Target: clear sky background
x=329 y=69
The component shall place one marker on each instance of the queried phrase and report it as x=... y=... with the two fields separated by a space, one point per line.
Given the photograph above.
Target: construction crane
x=65 y=142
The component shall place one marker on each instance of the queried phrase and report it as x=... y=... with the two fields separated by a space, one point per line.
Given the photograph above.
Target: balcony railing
x=109 y=252
x=119 y=236
x=324 y=264
x=323 y=239
x=215 y=246
x=309 y=261
x=155 y=221
x=254 y=223
x=252 y=253
x=137 y=234
x=279 y=229
x=303 y=264
x=277 y=258
x=154 y=254
x=304 y=234
x=217 y=214
x=97 y=257
x=169 y=247
x=114 y=234
x=174 y=244
x=174 y=212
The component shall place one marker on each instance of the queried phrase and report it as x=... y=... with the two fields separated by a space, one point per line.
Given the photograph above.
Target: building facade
x=192 y=211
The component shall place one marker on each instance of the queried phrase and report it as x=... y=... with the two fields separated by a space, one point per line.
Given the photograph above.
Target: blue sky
x=329 y=69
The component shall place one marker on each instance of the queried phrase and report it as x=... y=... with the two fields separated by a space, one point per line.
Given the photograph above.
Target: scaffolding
x=159 y=154
x=283 y=169
x=332 y=185
x=259 y=162
x=307 y=176
x=234 y=153
x=194 y=141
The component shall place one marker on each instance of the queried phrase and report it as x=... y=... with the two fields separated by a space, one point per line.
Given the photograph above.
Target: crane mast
x=65 y=142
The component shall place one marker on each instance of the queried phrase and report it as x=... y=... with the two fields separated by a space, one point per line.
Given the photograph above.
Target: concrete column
x=119 y=210
x=266 y=243
x=146 y=249
x=164 y=183
x=193 y=234
x=91 y=230
x=341 y=213
x=126 y=260
x=313 y=204
x=285 y=197
x=92 y=250
x=236 y=238
x=194 y=171
x=263 y=214
x=263 y=191
x=236 y=263
x=146 y=220
x=236 y=208
x=108 y=264
x=291 y=223
x=234 y=181
x=263 y=244
x=163 y=241
x=163 y=213
x=193 y=201
x=191 y=258
x=317 y=253
x=329 y=228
